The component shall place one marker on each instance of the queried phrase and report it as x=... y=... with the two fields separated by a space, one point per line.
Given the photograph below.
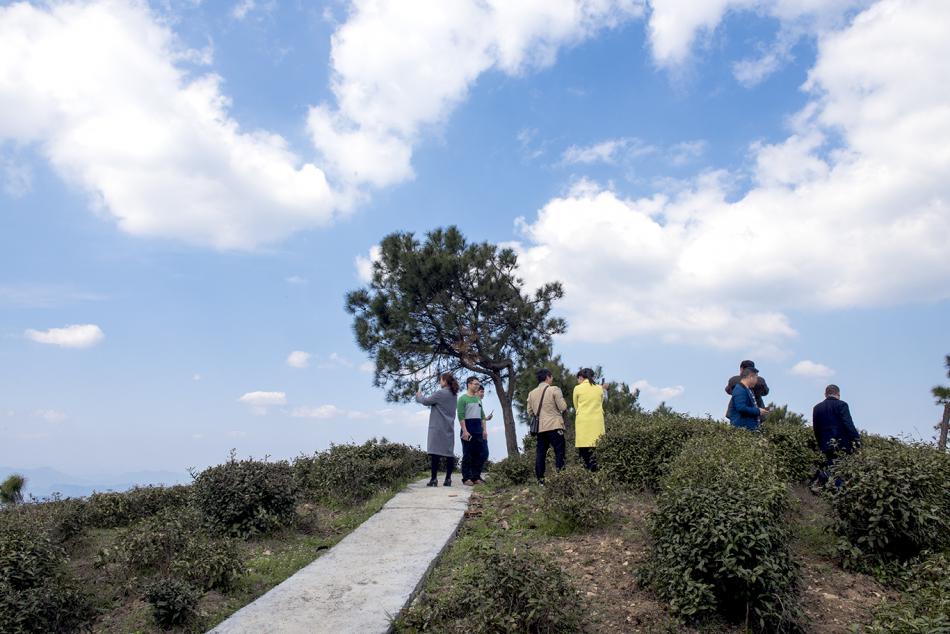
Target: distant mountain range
x=42 y=482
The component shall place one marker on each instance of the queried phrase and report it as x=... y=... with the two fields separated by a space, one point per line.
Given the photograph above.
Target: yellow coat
x=588 y=413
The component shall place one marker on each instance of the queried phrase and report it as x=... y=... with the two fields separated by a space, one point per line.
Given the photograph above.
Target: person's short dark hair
x=832 y=390
x=543 y=374
x=747 y=372
x=470 y=380
x=481 y=388
x=747 y=364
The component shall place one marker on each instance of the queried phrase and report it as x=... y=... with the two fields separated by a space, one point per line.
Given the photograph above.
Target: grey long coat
x=442 y=413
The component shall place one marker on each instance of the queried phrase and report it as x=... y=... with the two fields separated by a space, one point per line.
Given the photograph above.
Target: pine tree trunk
x=944 y=427
x=511 y=435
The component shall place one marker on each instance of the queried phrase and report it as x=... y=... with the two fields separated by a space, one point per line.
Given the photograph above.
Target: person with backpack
x=546 y=402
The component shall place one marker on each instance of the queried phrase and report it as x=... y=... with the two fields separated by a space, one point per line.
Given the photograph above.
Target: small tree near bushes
x=246 y=497
x=11 y=490
x=445 y=304
x=174 y=602
x=942 y=395
x=517 y=469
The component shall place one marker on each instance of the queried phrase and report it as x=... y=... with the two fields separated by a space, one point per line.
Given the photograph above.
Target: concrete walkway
x=367 y=578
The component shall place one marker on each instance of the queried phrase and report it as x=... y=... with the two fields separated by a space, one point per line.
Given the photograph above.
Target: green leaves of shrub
x=37 y=594
x=576 y=498
x=246 y=497
x=174 y=543
x=353 y=473
x=173 y=601
x=111 y=510
x=924 y=606
x=794 y=447
x=503 y=591
x=894 y=502
x=638 y=450
x=720 y=543
x=518 y=469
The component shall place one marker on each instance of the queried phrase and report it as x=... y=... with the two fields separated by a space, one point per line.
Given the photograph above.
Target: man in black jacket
x=834 y=429
x=760 y=389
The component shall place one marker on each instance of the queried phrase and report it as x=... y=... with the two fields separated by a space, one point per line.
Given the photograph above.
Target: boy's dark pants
x=555 y=439
x=474 y=451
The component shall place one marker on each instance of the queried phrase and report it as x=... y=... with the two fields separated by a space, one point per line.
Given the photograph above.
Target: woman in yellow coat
x=588 y=416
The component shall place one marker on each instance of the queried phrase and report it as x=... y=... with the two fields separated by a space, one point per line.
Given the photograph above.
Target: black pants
x=587 y=455
x=474 y=455
x=434 y=459
x=832 y=456
x=555 y=439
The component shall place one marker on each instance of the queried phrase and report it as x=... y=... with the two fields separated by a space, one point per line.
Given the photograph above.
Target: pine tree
x=942 y=395
x=445 y=305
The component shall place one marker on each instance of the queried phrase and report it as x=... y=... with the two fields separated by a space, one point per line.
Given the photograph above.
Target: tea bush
x=576 y=498
x=501 y=591
x=894 y=502
x=173 y=602
x=720 y=545
x=112 y=510
x=638 y=450
x=246 y=497
x=518 y=469
x=353 y=473
x=924 y=605
x=794 y=446
x=61 y=519
x=174 y=543
x=37 y=594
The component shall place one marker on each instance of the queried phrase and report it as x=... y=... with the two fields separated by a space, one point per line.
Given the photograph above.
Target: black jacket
x=761 y=389
x=831 y=420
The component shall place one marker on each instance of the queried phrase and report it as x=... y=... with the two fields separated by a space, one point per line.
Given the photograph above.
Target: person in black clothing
x=760 y=389
x=834 y=429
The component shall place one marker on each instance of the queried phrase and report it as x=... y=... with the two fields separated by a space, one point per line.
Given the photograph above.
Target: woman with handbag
x=588 y=416
x=546 y=407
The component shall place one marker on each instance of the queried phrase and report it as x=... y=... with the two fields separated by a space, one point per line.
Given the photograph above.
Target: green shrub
x=518 y=469
x=576 y=498
x=246 y=497
x=174 y=543
x=500 y=591
x=37 y=594
x=112 y=510
x=720 y=545
x=894 y=502
x=924 y=605
x=794 y=446
x=638 y=450
x=61 y=519
x=173 y=602
x=354 y=473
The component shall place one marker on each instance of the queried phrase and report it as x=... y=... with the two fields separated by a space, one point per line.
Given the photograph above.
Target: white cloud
x=682 y=153
x=100 y=89
x=603 y=152
x=195 y=377
x=811 y=369
x=260 y=401
x=860 y=221
x=50 y=415
x=399 y=68
x=75 y=336
x=325 y=412
x=240 y=10
x=657 y=394
x=368 y=366
x=298 y=359
x=296 y=280
x=364 y=264
x=675 y=24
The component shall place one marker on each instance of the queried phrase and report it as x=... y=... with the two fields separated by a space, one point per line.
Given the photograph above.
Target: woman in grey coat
x=442 y=404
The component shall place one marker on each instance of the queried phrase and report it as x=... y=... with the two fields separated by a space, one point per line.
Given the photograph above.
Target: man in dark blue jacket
x=834 y=429
x=743 y=410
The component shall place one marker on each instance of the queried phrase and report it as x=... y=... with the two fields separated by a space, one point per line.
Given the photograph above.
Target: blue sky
x=193 y=187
